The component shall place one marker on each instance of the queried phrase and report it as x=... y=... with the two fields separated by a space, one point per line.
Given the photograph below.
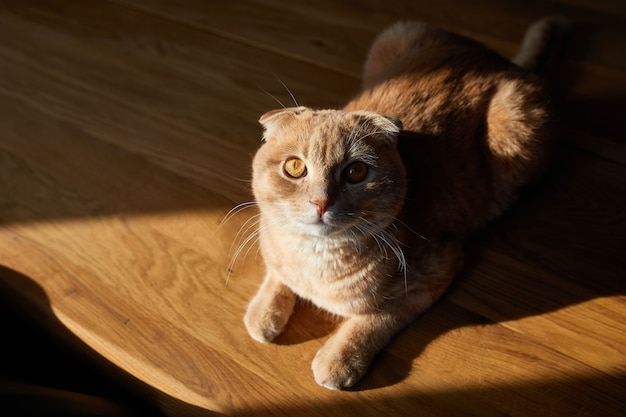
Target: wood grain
x=126 y=134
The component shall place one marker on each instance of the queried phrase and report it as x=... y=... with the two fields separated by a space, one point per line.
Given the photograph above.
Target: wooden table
x=126 y=133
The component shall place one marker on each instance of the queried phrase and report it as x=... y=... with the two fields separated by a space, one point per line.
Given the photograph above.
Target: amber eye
x=295 y=168
x=355 y=172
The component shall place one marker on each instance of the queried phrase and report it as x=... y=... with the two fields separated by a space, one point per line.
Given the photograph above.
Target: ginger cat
x=364 y=210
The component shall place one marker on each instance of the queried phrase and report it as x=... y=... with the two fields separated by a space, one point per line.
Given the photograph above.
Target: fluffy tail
x=542 y=45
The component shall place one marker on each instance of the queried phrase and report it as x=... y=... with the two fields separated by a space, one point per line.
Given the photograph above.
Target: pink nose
x=322 y=205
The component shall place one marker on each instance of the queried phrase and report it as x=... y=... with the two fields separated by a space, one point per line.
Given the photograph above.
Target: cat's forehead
x=325 y=123
x=333 y=136
x=328 y=136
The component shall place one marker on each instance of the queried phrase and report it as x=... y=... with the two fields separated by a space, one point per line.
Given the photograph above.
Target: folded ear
x=387 y=126
x=275 y=120
x=392 y=125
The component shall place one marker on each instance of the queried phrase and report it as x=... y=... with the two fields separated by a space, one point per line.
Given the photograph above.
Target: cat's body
x=364 y=210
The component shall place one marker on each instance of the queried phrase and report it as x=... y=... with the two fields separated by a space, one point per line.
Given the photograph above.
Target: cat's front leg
x=269 y=310
x=346 y=356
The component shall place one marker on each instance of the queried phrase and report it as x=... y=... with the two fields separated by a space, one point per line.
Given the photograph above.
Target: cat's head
x=326 y=172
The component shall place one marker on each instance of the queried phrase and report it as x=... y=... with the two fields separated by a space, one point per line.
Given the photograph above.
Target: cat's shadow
x=307 y=323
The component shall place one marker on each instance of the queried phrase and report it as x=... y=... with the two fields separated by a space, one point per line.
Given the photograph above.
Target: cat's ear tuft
x=275 y=120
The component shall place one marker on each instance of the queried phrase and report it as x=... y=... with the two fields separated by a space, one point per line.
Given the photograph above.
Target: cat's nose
x=322 y=205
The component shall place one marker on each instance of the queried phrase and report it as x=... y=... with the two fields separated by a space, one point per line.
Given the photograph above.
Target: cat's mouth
x=319 y=227
x=323 y=226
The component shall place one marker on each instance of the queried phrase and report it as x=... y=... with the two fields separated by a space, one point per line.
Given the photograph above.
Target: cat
x=364 y=211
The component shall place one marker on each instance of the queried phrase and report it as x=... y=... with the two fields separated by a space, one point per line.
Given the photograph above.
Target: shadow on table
x=47 y=371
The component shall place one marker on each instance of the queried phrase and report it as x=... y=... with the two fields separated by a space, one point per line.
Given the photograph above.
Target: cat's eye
x=295 y=168
x=355 y=172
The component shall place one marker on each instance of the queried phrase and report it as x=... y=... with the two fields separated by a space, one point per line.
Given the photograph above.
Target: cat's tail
x=543 y=44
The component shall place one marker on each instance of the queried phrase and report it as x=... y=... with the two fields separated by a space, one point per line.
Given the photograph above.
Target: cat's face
x=329 y=172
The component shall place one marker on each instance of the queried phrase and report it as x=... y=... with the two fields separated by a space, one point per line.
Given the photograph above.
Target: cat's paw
x=269 y=311
x=335 y=367
x=264 y=326
x=267 y=319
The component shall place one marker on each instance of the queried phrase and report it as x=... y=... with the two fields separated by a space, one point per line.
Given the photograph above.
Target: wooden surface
x=126 y=133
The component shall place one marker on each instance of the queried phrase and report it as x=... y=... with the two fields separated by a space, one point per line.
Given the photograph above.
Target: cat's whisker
x=390 y=241
x=397 y=220
x=366 y=230
x=253 y=237
x=357 y=242
x=247 y=236
x=236 y=210
x=249 y=224
x=244 y=230
x=247 y=230
x=407 y=227
x=252 y=234
x=394 y=244
x=381 y=247
x=272 y=96
x=244 y=180
x=356 y=239
x=288 y=90
x=402 y=265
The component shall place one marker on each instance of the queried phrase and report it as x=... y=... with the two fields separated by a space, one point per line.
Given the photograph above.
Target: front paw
x=264 y=324
x=269 y=310
x=336 y=367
